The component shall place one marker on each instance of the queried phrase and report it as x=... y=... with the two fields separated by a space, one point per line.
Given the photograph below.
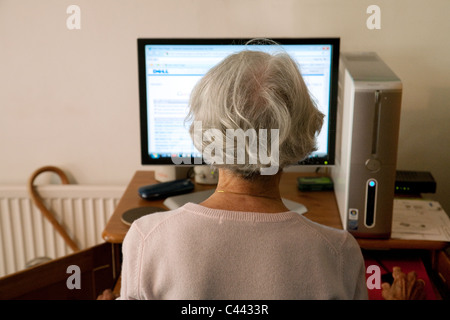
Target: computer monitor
x=169 y=69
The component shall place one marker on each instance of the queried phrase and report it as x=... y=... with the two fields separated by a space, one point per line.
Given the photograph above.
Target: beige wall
x=70 y=97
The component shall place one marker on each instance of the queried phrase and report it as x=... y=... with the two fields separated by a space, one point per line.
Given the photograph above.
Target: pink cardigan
x=195 y=252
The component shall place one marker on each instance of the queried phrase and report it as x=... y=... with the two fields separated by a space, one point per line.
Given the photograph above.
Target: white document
x=420 y=220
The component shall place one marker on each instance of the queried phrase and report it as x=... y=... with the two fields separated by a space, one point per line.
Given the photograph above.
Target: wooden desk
x=115 y=229
x=322 y=208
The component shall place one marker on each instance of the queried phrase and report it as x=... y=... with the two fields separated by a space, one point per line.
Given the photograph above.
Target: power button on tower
x=373 y=165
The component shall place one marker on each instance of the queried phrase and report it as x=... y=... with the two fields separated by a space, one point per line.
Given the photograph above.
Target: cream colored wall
x=70 y=97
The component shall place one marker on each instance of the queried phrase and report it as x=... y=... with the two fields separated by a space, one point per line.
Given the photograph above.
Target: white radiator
x=25 y=234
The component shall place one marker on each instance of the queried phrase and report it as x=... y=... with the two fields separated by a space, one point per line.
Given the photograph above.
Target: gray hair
x=257 y=90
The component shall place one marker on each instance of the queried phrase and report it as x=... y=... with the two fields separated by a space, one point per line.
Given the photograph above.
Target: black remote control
x=166 y=189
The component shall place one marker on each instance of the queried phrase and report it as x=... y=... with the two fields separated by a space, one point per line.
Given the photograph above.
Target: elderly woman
x=242 y=242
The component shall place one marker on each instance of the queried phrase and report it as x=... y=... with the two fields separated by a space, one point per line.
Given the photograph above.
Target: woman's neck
x=260 y=194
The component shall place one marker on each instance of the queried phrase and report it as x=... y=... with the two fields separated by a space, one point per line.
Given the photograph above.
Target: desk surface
x=322 y=208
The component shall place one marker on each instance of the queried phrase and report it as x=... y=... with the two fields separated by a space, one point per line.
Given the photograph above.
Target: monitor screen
x=170 y=68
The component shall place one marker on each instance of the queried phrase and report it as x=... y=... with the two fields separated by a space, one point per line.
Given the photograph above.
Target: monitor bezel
x=327 y=160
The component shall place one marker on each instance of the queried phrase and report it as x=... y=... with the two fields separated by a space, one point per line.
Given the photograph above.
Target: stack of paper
x=420 y=220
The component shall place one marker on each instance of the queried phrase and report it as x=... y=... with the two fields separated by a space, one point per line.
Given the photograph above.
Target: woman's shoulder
x=337 y=239
x=152 y=220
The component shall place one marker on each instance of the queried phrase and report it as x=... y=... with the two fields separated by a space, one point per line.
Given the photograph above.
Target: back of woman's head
x=256 y=90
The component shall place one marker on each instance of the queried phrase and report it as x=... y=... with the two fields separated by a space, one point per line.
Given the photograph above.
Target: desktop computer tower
x=368 y=118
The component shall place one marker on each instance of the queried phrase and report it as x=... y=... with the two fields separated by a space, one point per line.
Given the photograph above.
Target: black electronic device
x=314 y=184
x=414 y=182
x=166 y=189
